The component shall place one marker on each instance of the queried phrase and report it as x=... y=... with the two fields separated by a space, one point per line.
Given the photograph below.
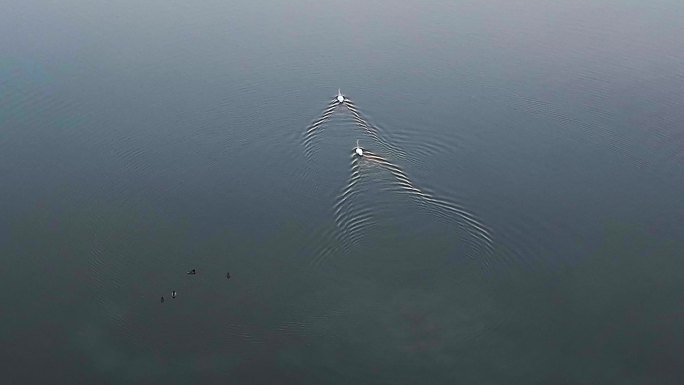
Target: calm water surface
x=516 y=217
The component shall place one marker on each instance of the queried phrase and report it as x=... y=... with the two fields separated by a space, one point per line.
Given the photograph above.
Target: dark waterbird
x=173 y=294
x=191 y=272
x=162 y=299
x=228 y=275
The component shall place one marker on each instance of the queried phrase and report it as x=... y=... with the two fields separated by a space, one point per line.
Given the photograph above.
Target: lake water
x=516 y=218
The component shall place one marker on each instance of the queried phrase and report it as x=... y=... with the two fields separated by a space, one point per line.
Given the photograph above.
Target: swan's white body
x=340 y=98
x=358 y=150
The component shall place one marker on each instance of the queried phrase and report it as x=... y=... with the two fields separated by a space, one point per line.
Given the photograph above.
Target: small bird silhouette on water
x=162 y=299
x=228 y=275
x=191 y=272
x=173 y=294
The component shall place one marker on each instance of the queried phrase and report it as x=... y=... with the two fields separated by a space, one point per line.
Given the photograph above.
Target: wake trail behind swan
x=444 y=208
x=313 y=129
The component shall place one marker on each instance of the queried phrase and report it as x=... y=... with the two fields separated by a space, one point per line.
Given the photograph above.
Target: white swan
x=340 y=98
x=358 y=150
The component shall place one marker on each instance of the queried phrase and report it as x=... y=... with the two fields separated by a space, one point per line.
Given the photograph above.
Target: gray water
x=516 y=217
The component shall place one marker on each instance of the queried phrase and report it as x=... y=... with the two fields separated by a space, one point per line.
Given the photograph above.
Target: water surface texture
x=516 y=218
